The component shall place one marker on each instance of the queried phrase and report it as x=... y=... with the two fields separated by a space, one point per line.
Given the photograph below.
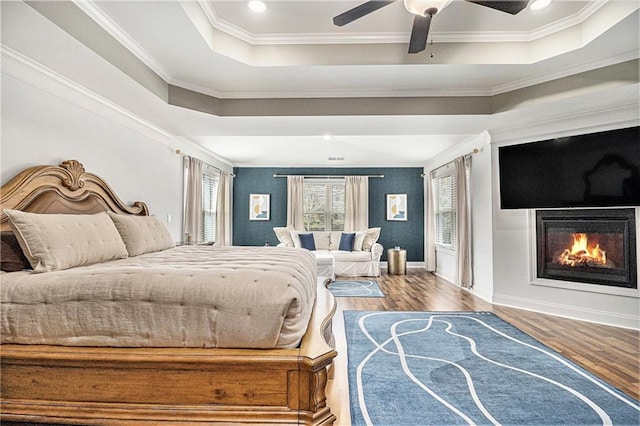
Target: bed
x=172 y=374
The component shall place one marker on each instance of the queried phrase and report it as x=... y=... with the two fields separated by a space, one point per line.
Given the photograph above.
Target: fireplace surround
x=590 y=246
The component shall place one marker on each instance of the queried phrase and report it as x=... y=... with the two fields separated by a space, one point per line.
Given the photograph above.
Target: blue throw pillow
x=346 y=241
x=307 y=241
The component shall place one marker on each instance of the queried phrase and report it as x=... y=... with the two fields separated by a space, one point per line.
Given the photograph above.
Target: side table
x=396 y=261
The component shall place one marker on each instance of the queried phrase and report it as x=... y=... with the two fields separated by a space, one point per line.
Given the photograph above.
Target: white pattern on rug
x=355 y=288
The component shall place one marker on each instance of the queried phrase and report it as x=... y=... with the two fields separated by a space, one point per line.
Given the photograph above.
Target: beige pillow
x=358 y=240
x=372 y=235
x=142 y=234
x=322 y=239
x=53 y=242
x=295 y=239
x=334 y=241
x=284 y=235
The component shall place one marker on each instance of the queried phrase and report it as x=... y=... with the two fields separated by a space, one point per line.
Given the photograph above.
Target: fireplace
x=587 y=246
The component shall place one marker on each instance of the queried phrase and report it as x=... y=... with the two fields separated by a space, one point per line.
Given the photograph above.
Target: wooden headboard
x=66 y=188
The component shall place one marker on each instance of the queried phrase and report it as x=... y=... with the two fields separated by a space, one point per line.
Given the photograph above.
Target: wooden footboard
x=79 y=385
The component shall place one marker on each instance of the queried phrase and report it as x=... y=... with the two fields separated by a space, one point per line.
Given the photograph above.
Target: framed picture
x=259 y=206
x=396 y=206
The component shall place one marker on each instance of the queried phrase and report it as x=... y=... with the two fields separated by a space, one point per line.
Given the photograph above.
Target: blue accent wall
x=409 y=235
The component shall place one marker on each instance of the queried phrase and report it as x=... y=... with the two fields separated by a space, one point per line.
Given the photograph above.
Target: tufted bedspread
x=188 y=296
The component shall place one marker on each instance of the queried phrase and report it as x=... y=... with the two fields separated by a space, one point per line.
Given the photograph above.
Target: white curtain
x=295 y=202
x=463 y=222
x=356 y=203
x=223 y=210
x=192 y=206
x=430 y=241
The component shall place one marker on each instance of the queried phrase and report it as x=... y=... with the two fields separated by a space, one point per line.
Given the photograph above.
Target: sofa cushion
x=307 y=241
x=323 y=257
x=370 y=238
x=284 y=235
x=334 y=239
x=358 y=240
x=322 y=239
x=351 y=256
x=346 y=241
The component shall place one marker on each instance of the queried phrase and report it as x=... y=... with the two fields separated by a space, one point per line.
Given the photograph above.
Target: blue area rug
x=355 y=288
x=440 y=368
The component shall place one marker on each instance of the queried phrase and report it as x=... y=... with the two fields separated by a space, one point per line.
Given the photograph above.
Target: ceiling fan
x=423 y=11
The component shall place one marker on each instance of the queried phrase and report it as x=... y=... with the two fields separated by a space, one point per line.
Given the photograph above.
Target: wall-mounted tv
x=592 y=170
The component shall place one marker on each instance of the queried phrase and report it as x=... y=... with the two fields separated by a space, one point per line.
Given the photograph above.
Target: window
x=323 y=205
x=444 y=187
x=209 y=202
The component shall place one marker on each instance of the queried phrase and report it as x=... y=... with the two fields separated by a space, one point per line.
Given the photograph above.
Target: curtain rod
x=474 y=151
x=179 y=152
x=327 y=176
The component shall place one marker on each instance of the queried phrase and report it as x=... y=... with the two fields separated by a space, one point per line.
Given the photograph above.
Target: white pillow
x=53 y=242
x=322 y=239
x=372 y=235
x=142 y=234
x=284 y=235
x=358 y=240
x=295 y=239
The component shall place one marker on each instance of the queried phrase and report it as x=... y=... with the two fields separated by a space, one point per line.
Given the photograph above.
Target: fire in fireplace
x=583 y=254
x=588 y=246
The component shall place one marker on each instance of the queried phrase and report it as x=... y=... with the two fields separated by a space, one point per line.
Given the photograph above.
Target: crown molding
x=564 y=72
x=317 y=93
x=94 y=12
x=398 y=37
x=52 y=80
x=595 y=119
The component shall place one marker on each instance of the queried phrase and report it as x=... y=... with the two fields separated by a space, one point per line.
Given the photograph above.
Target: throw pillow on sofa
x=346 y=241
x=358 y=240
x=370 y=238
x=307 y=241
x=284 y=235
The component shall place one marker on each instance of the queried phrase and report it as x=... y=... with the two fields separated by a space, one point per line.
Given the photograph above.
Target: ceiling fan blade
x=360 y=11
x=419 y=33
x=513 y=7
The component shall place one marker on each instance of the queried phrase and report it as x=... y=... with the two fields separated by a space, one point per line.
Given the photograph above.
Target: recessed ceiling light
x=539 y=4
x=326 y=136
x=257 y=6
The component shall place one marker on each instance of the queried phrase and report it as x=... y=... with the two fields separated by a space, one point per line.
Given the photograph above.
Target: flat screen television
x=592 y=170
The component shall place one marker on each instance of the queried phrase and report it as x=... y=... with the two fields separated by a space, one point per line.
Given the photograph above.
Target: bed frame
x=91 y=385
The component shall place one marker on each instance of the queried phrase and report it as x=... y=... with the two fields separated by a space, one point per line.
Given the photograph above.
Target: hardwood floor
x=610 y=353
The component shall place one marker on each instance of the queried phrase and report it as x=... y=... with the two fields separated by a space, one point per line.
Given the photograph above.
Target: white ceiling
x=293 y=50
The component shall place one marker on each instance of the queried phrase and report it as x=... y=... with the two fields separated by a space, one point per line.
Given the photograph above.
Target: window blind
x=445 y=200
x=209 y=202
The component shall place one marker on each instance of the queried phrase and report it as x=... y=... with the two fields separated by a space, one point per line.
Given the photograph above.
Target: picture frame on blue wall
x=397 y=207
x=259 y=208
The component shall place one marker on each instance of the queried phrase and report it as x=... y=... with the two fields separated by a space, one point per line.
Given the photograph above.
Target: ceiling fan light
x=539 y=4
x=419 y=7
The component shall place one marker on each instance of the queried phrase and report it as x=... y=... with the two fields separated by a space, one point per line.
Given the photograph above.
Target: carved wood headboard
x=66 y=188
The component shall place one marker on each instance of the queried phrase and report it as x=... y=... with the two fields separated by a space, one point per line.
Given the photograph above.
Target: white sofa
x=362 y=260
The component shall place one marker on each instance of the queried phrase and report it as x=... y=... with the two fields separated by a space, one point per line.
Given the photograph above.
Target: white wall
x=40 y=129
x=512 y=228
x=48 y=117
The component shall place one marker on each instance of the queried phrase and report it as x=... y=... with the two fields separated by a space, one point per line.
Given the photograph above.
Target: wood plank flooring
x=610 y=353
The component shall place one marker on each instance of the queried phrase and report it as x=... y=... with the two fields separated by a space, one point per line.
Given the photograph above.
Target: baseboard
x=571 y=312
x=410 y=265
x=487 y=297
